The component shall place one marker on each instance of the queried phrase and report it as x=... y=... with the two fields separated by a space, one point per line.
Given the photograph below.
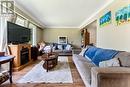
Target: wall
x=39 y=34
x=92 y=29
x=113 y=36
x=74 y=36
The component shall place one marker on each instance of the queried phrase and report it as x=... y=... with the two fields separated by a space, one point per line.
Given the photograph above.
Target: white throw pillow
x=82 y=52
x=68 y=47
x=47 y=49
x=60 y=47
x=110 y=63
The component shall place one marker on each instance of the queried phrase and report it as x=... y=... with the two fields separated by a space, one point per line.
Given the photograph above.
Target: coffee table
x=50 y=59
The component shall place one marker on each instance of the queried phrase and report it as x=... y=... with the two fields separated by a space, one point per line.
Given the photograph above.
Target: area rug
x=60 y=74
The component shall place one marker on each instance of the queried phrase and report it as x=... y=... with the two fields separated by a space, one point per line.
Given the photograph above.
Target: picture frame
x=62 y=40
x=105 y=19
x=122 y=15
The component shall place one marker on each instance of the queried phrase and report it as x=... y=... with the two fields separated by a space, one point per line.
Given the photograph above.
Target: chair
x=6 y=74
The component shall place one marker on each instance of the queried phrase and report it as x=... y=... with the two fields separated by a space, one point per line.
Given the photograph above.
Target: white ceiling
x=62 y=13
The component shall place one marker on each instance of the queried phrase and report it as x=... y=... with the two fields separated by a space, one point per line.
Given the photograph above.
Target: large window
x=20 y=21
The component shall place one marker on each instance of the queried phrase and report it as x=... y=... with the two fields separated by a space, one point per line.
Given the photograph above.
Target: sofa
x=94 y=75
x=63 y=49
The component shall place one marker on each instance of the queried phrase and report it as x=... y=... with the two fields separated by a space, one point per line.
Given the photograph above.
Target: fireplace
x=24 y=56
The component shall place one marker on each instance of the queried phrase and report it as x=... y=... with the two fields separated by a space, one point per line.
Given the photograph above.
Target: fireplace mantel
x=16 y=51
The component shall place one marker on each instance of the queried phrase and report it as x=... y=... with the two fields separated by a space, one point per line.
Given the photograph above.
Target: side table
x=5 y=59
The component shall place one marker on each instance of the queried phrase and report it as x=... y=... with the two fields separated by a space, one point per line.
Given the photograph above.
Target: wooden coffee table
x=50 y=59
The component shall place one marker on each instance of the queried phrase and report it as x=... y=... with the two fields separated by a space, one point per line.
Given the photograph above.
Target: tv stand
x=22 y=53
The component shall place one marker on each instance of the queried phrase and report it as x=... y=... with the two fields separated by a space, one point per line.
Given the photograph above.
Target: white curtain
x=3 y=38
x=34 y=34
x=3 y=32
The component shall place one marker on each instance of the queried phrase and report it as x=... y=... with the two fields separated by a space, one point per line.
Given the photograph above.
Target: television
x=17 y=34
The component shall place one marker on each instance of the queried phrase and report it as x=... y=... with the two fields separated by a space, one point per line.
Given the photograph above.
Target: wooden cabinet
x=85 y=37
x=20 y=51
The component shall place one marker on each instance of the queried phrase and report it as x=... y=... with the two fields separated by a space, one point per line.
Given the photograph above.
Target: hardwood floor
x=77 y=81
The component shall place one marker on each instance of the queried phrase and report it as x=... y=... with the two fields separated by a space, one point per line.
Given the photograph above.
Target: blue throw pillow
x=64 y=46
x=90 y=52
x=56 y=46
x=102 y=55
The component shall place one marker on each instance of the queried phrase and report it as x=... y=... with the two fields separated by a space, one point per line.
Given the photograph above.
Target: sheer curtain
x=3 y=38
x=34 y=34
x=3 y=32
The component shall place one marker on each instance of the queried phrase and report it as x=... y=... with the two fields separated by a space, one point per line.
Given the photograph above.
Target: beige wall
x=92 y=29
x=113 y=36
x=74 y=36
x=39 y=34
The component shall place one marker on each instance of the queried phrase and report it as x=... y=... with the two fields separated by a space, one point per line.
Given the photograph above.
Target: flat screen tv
x=17 y=34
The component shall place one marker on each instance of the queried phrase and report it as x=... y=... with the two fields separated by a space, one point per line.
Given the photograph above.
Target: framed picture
x=105 y=19
x=62 y=39
x=122 y=15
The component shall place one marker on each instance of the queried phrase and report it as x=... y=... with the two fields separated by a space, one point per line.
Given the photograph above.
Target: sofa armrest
x=76 y=51
x=110 y=77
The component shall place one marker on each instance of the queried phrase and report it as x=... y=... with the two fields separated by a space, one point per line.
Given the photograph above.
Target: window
x=20 y=21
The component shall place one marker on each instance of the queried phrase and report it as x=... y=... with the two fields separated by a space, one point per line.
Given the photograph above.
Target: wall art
x=123 y=15
x=105 y=19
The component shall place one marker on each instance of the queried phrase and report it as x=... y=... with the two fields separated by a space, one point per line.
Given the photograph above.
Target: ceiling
x=62 y=13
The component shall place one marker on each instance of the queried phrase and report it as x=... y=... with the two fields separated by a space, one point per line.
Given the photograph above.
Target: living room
x=78 y=27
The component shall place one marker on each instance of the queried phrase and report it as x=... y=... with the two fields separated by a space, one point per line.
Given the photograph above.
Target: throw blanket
x=102 y=55
x=90 y=52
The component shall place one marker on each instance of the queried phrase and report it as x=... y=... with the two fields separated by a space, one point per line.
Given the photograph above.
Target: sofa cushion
x=110 y=63
x=66 y=51
x=84 y=67
x=85 y=71
x=58 y=51
x=102 y=55
x=124 y=58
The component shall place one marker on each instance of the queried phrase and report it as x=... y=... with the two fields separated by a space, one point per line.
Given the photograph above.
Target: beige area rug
x=60 y=74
